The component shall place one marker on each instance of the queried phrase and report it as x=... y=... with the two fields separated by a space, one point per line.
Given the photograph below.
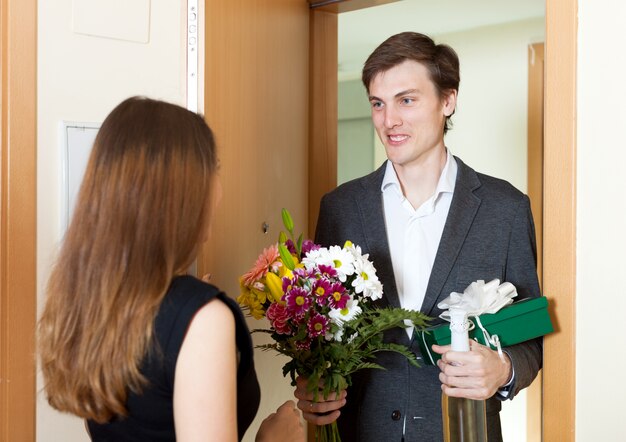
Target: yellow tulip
x=283 y=271
x=275 y=286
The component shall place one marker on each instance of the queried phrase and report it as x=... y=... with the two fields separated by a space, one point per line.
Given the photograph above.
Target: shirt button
x=396 y=415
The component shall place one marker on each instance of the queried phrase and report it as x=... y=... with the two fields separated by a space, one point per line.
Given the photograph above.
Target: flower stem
x=327 y=433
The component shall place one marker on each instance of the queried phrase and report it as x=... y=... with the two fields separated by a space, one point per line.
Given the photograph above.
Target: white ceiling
x=360 y=32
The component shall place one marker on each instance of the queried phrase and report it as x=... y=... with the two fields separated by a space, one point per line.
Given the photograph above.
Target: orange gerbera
x=268 y=259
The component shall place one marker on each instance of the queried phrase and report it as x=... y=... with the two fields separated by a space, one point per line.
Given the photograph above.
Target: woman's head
x=142 y=210
x=147 y=183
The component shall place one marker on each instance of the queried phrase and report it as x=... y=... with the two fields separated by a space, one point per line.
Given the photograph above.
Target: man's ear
x=449 y=102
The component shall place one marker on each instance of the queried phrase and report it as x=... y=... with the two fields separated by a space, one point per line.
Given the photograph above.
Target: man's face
x=408 y=113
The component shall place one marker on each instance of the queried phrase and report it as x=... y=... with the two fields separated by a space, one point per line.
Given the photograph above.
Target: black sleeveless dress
x=151 y=413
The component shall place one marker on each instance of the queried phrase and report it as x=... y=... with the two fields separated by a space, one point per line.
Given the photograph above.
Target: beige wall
x=601 y=211
x=81 y=78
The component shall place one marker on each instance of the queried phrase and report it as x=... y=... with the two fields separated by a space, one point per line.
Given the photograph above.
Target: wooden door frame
x=18 y=201
x=559 y=205
x=536 y=89
x=559 y=224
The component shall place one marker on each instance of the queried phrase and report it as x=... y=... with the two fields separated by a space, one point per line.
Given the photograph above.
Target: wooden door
x=256 y=99
x=18 y=128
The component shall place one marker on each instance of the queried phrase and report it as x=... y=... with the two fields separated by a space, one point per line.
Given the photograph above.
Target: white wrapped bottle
x=464 y=420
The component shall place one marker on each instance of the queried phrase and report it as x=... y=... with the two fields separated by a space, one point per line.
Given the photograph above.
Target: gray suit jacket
x=489 y=233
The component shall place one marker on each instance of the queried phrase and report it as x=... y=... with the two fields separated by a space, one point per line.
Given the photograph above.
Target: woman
x=127 y=340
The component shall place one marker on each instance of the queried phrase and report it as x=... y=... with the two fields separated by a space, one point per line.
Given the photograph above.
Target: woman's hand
x=320 y=412
x=284 y=425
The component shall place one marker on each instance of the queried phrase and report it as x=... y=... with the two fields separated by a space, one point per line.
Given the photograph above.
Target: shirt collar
x=445 y=184
x=390 y=180
x=447 y=180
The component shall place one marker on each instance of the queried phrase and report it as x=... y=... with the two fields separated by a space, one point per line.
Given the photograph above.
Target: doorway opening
x=493 y=117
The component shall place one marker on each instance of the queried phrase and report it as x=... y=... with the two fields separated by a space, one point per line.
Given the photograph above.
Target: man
x=432 y=225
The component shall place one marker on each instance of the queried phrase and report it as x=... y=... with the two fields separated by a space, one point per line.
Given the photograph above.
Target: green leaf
x=266 y=347
x=313 y=383
x=286 y=257
x=262 y=330
x=299 y=245
x=301 y=334
x=287 y=220
x=369 y=365
x=401 y=349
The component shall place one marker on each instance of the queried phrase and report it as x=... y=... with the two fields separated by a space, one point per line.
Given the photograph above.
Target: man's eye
x=407 y=100
x=376 y=104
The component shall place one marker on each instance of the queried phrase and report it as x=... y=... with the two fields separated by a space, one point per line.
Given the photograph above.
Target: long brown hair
x=142 y=209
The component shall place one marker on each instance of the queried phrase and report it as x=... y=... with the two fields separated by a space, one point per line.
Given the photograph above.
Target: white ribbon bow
x=478 y=298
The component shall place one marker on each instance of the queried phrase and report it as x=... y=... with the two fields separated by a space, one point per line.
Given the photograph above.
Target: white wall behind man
x=81 y=78
x=490 y=123
x=600 y=229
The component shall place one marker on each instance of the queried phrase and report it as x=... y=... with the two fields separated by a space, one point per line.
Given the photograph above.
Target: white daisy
x=317 y=257
x=343 y=261
x=341 y=315
x=357 y=253
x=366 y=281
x=374 y=290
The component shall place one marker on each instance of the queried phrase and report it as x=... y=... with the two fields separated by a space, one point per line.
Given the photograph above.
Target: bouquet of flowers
x=319 y=305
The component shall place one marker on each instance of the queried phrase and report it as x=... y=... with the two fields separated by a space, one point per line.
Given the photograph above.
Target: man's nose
x=392 y=118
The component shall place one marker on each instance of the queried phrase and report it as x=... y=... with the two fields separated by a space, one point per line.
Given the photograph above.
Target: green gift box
x=521 y=321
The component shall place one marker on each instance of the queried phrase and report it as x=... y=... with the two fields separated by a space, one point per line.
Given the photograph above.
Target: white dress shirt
x=414 y=233
x=414 y=236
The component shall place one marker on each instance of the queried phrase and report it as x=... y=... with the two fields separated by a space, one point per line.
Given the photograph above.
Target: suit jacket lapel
x=373 y=218
x=460 y=217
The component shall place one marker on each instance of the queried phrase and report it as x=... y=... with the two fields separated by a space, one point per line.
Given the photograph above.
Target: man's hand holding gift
x=479 y=373
x=476 y=374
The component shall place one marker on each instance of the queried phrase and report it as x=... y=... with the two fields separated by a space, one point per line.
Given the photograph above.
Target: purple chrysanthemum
x=304 y=273
x=288 y=284
x=309 y=245
x=321 y=291
x=318 y=325
x=298 y=301
x=338 y=296
x=327 y=271
x=290 y=246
